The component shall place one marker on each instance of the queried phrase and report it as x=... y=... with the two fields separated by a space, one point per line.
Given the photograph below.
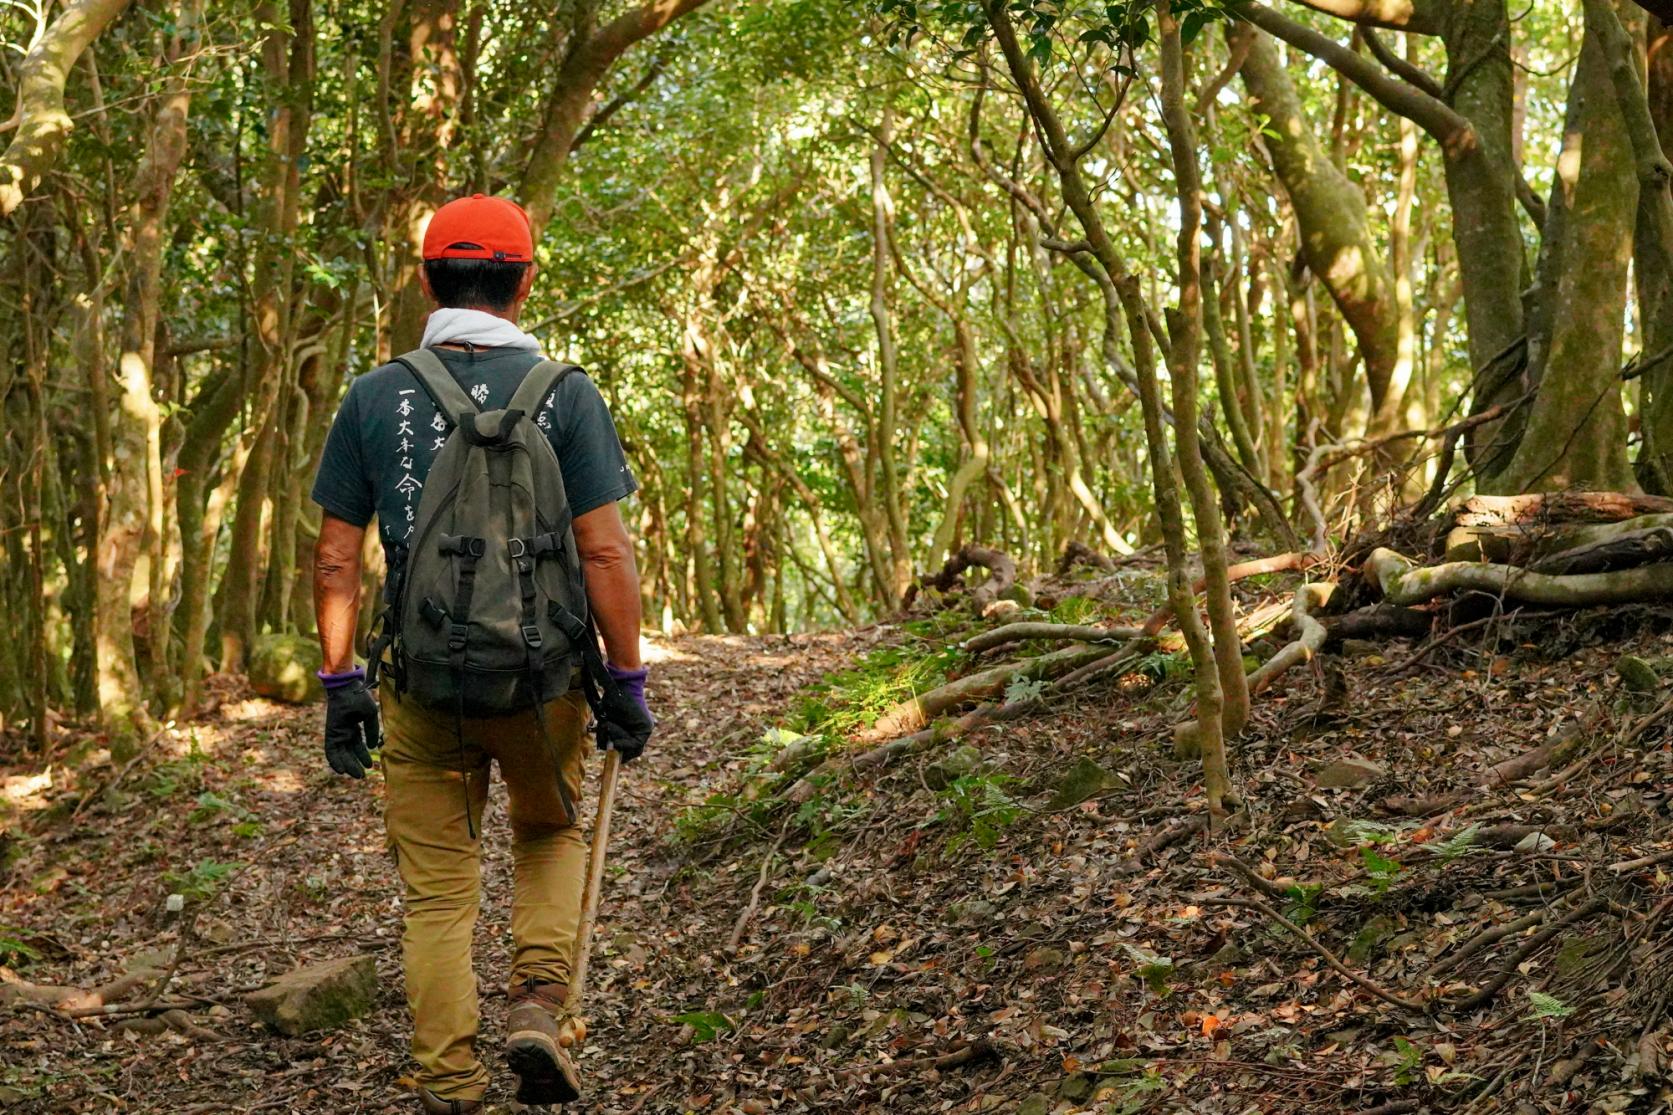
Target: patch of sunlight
x=655 y=652
x=285 y=781
x=1348 y=264
x=253 y=709
x=192 y=739
x=27 y=791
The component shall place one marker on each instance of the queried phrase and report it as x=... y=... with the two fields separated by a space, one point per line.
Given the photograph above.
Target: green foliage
x=1161 y=666
x=976 y=807
x=14 y=951
x=1151 y=967
x=1408 y=1066
x=1022 y=690
x=1460 y=843
x=1381 y=870
x=1548 y=1006
x=1304 y=902
x=706 y=1025
x=852 y=699
x=1076 y=610
x=201 y=882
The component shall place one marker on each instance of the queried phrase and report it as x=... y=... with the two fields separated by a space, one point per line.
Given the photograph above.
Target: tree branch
x=1426 y=111
x=1400 y=67
x=43 y=125
x=1421 y=17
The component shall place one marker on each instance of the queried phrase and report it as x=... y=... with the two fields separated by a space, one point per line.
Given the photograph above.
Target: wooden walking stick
x=574 y=1027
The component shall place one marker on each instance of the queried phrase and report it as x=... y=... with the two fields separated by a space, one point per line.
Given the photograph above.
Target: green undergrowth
x=825 y=716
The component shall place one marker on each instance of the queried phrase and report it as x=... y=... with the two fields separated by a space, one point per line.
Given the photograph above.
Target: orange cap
x=480 y=227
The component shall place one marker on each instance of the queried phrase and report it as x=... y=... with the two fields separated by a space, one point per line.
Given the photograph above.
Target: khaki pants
x=427 y=775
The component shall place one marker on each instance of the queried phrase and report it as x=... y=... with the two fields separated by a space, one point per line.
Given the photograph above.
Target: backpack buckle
x=456 y=636
x=531 y=636
x=519 y=548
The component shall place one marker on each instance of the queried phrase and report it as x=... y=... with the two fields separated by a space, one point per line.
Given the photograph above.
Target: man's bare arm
x=337 y=590
x=606 y=552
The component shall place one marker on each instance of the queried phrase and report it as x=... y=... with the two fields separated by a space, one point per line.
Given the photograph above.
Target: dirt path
x=956 y=904
x=242 y=806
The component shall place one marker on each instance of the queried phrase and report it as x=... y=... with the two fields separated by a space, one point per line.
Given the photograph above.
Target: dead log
x=1557 y=507
x=1636 y=548
x=1380 y=621
x=1002 y=574
x=1079 y=553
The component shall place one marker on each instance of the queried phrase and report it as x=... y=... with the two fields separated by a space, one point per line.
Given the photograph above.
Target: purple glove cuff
x=337 y=681
x=631 y=682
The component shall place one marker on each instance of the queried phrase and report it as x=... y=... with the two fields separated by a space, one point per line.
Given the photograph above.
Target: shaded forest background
x=864 y=284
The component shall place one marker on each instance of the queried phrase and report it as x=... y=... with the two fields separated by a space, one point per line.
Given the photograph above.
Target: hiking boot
x=544 y=1072
x=435 y=1105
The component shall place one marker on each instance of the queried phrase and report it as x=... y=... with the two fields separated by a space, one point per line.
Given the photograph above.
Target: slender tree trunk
x=135 y=490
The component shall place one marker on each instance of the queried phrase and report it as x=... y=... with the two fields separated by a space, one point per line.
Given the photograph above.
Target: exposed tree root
x=1059 y=632
x=1002 y=575
x=1405 y=583
x=1310 y=635
x=913 y=714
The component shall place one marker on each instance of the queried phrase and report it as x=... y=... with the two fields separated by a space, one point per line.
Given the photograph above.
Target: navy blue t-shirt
x=388 y=430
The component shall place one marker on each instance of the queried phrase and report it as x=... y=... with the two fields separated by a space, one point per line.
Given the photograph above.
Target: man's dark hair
x=475 y=284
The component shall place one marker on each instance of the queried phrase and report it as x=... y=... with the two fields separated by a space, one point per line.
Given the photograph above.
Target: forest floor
x=1021 y=933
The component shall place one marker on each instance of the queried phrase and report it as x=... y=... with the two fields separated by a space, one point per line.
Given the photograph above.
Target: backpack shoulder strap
x=539 y=382
x=439 y=384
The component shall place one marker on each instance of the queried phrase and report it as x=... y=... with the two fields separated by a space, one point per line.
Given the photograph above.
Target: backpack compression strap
x=538 y=383
x=439 y=384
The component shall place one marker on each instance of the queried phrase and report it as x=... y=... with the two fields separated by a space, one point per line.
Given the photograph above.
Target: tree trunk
x=135 y=490
x=1576 y=431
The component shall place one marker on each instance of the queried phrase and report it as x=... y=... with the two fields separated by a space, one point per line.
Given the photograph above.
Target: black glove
x=351 y=727
x=625 y=722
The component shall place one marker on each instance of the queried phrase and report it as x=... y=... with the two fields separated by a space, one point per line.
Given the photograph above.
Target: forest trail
x=940 y=936
x=291 y=864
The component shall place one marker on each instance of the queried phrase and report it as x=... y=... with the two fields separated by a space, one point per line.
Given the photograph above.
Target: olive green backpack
x=486 y=608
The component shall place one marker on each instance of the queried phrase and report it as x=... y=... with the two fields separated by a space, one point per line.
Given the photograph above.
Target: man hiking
x=494 y=476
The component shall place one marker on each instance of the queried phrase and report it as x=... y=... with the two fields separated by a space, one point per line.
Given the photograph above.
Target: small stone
x=318 y=996
x=1075 y=1086
x=1637 y=674
x=1348 y=774
x=282 y=668
x=1370 y=939
x=1081 y=782
x=1229 y=956
x=1045 y=959
x=1037 y=1104
x=959 y=763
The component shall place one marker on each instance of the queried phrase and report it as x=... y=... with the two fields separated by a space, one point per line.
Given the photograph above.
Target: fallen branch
x=1532 y=945
x=1549 y=507
x=736 y=940
x=1279 y=563
x=977 y=1052
x=1329 y=957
